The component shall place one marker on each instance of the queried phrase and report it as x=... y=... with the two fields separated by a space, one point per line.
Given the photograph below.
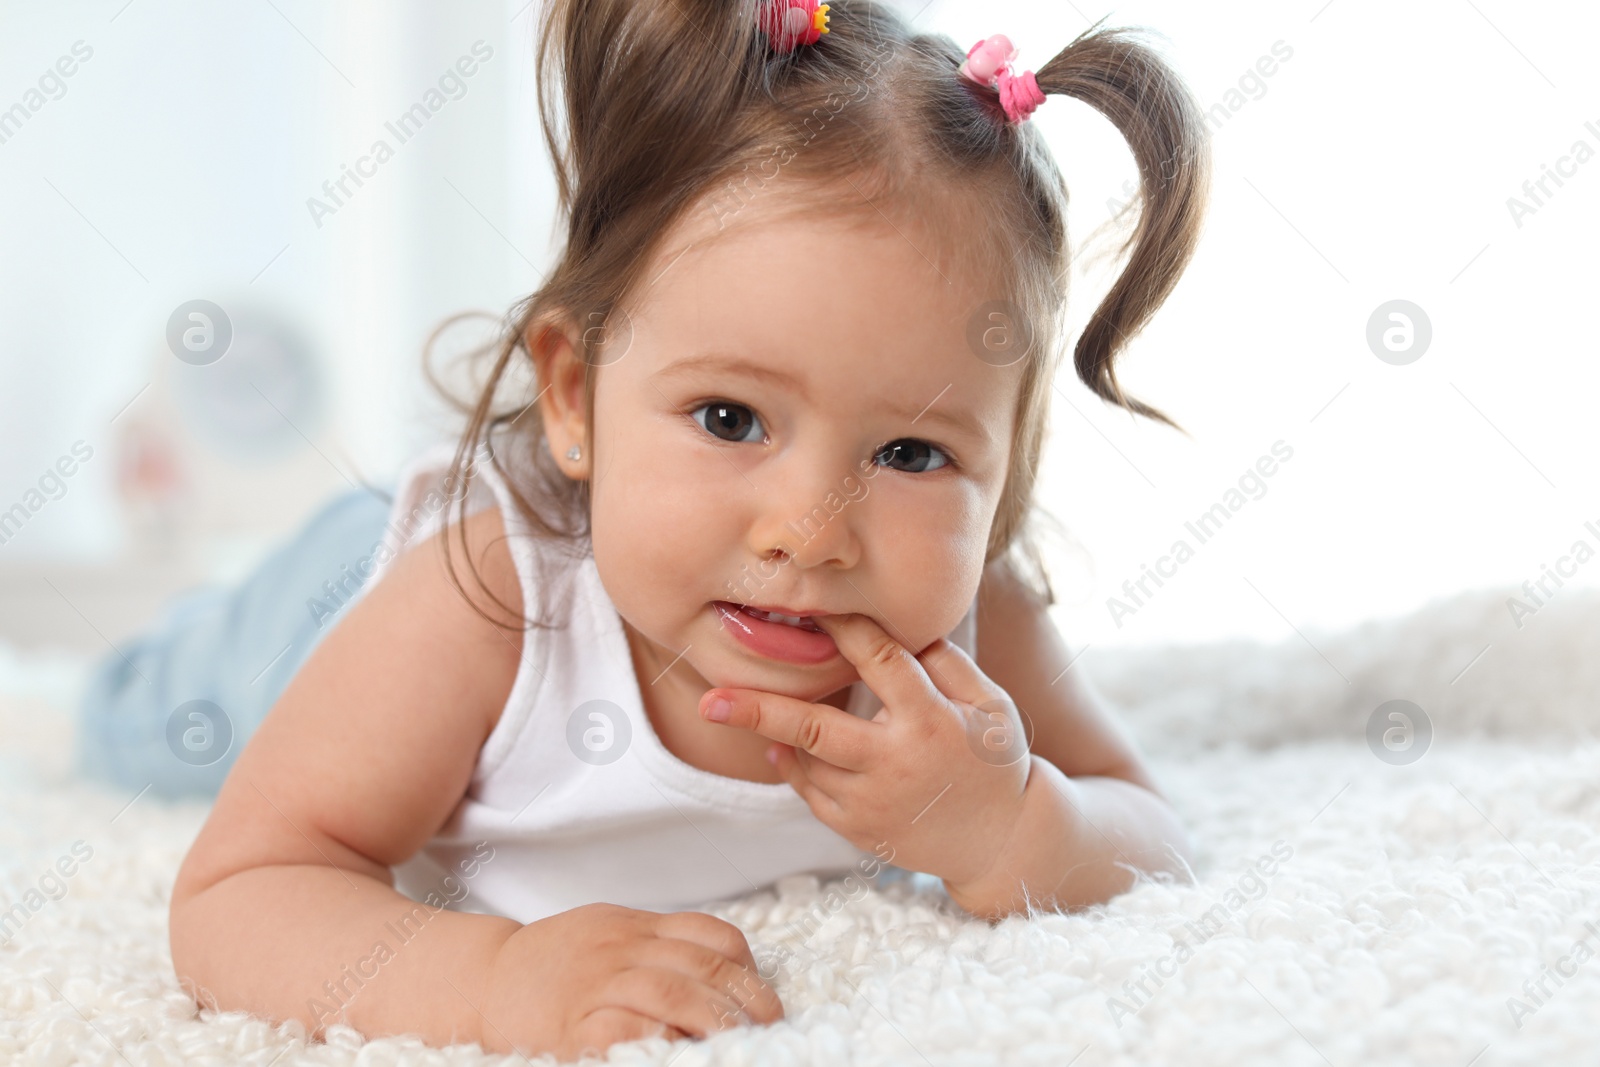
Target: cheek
x=929 y=548
x=663 y=523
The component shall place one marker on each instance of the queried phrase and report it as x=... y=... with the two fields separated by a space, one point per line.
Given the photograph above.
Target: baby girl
x=743 y=586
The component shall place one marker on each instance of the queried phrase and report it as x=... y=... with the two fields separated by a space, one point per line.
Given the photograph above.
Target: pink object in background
x=151 y=484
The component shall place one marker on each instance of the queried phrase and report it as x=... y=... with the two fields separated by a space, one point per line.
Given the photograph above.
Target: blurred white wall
x=1374 y=163
x=177 y=162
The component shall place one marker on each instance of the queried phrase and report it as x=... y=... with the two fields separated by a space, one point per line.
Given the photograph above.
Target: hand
x=601 y=973
x=938 y=774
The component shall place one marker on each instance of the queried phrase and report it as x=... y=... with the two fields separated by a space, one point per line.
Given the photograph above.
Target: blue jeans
x=172 y=709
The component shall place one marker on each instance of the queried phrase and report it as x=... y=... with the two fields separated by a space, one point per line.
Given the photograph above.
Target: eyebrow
x=731 y=365
x=960 y=422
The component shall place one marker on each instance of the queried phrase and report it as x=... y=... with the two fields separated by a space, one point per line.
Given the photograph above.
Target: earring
x=574 y=452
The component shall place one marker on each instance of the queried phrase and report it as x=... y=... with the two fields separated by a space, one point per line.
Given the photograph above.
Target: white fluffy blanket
x=1348 y=910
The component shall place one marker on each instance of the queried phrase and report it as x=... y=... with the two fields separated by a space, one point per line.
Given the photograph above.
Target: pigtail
x=1130 y=84
x=634 y=97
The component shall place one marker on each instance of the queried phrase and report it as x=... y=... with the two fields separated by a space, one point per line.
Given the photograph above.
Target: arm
x=286 y=895
x=1091 y=814
x=285 y=906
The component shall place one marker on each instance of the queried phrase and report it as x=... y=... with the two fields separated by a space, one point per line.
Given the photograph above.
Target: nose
x=808 y=518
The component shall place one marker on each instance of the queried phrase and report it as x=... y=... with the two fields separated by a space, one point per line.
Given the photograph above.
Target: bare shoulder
x=373 y=743
x=1021 y=649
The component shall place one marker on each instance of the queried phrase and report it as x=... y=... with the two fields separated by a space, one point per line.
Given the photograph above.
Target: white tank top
x=542 y=829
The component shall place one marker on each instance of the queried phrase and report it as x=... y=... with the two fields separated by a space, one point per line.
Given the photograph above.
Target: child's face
x=788 y=507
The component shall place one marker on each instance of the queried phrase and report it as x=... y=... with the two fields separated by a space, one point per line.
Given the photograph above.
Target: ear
x=560 y=367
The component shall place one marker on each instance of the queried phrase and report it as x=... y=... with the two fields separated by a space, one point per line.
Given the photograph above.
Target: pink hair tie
x=791 y=23
x=989 y=63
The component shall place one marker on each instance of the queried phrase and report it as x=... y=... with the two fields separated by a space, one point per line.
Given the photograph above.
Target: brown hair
x=651 y=108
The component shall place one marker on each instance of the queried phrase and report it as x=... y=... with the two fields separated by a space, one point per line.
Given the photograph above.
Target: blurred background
x=1370 y=306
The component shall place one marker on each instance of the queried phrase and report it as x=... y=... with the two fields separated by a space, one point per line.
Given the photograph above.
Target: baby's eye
x=728 y=422
x=918 y=456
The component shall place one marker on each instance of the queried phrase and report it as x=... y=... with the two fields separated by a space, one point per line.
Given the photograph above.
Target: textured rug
x=1371 y=889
